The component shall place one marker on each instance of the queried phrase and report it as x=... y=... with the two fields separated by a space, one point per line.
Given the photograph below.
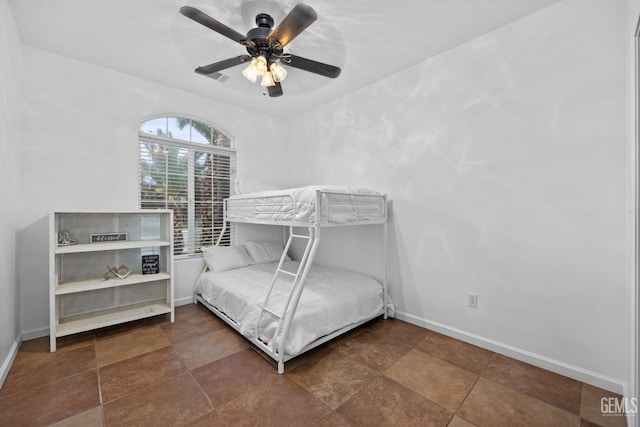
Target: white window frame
x=192 y=147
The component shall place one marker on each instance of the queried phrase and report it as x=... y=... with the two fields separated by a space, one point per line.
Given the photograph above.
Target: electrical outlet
x=473 y=300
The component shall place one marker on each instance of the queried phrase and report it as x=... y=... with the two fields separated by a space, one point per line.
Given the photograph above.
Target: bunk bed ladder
x=296 y=288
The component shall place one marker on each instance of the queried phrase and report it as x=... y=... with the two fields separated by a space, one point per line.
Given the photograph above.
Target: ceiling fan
x=265 y=47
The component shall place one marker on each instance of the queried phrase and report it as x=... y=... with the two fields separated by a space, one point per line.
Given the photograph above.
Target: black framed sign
x=150 y=264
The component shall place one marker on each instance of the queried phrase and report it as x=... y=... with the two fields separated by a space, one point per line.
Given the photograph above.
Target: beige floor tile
x=332 y=377
x=459 y=422
x=466 y=356
x=376 y=351
x=191 y=321
x=229 y=378
x=33 y=371
x=138 y=372
x=384 y=402
x=125 y=328
x=492 y=404
x=203 y=349
x=545 y=385
x=601 y=412
x=127 y=345
x=90 y=418
x=177 y=401
x=40 y=347
x=333 y=420
x=212 y=419
x=404 y=332
x=437 y=380
x=279 y=402
x=52 y=402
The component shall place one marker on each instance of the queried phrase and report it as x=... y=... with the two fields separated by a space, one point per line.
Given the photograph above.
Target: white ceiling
x=368 y=39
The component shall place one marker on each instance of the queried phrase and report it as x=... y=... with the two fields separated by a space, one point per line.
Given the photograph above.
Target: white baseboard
x=35 y=333
x=583 y=375
x=8 y=361
x=183 y=301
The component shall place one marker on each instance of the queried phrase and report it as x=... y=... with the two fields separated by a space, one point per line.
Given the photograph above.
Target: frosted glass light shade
x=261 y=64
x=278 y=71
x=267 y=79
x=251 y=73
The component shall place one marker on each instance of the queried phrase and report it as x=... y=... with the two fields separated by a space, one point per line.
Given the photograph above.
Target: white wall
x=10 y=70
x=505 y=161
x=80 y=152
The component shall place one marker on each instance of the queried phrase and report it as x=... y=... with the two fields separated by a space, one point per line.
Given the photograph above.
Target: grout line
x=213 y=407
x=493 y=356
x=95 y=352
x=467 y=395
x=580 y=410
x=95 y=355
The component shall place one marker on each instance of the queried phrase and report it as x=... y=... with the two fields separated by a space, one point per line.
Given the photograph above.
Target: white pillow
x=223 y=258
x=262 y=252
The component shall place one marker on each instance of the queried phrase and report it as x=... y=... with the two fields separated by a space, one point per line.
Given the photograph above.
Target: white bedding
x=298 y=205
x=331 y=300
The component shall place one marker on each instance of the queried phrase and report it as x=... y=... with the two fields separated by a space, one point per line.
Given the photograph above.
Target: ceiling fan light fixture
x=261 y=64
x=265 y=47
x=267 y=79
x=251 y=72
x=278 y=71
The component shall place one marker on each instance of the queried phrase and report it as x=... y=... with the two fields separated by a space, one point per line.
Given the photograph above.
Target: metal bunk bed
x=310 y=208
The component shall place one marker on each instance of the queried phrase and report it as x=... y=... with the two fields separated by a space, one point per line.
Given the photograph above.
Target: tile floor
x=199 y=372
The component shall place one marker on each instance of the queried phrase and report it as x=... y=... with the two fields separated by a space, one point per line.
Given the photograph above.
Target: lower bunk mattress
x=331 y=300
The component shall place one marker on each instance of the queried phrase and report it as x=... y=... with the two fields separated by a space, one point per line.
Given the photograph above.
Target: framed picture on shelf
x=150 y=264
x=108 y=237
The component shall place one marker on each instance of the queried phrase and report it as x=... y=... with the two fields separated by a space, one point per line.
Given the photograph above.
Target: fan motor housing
x=259 y=33
x=262 y=43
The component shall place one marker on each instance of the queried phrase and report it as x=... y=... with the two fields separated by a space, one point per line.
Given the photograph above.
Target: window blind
x=191 y=179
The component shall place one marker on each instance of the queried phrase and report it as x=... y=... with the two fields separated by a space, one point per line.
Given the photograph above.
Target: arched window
x=188 y=166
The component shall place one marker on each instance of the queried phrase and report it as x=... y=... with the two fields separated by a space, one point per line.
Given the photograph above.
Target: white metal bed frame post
x=385 y=241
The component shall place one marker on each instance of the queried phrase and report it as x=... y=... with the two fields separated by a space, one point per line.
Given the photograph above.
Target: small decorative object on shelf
x=64 y=238
x=108 y=237
x=150 y=264
x=120 y=272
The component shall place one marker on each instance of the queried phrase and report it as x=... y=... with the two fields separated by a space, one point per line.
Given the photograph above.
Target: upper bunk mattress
x=339 y=205
x=331 y=300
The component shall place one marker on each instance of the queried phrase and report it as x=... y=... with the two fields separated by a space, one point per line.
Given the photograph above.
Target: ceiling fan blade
x=221 y=65
x=300 y=17
x=209 y=22
x=275 y=91
x=312 y=66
